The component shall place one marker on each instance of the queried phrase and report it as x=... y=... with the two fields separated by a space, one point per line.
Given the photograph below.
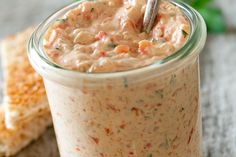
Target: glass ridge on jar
x=150 y=111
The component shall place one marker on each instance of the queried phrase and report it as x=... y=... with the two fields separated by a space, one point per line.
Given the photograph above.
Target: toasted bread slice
x=24 y=93
x=13 y=140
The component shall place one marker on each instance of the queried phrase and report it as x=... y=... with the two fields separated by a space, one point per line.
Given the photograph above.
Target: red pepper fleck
x=53 y=54
x=175 y=146
x=139 y=23
x=135 y=110
x=176 y=92
x=112 y=40
x=86 y=16
x=174 y=139
x=102 y=155
x=150 y=86
x=148 y=146
x=95 y=139
x=101 y=35
x=108 y=131
x=91 y=108
x=143 y=51
x=72 y=99
x=122 y=126
x=103 y=53
x=196 y=98
x=84 y=91
x=62 y=25
x=131 y=153
x=158 y=18
x=77 y=149
x=190 y=136
x=93 y=94
x=110 y=106
x=162 y=30
x=196 y=108
x=131 y=89
x=133 y=24
x=109 y=87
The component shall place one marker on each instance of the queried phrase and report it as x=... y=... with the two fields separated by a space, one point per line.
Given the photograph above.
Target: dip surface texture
x=105 y=36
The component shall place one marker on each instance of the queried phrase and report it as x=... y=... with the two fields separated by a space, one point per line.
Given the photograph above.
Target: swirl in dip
x=105 y=36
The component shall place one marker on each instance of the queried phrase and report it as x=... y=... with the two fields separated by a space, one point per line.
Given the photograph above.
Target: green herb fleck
x=111 y=45
x=181 y=109
x=166 y=141
x=125 y=81
x=121 y=153
x=159 y=93
x=57 y=48
x=140 y=101
x=92 y=9
x=147 y=117
x=156 y=128
x=154 y=112
x=153 y=40
x=163 y=40
x=213 y=15
x=172 y=14
x=62 y=19
x=184 y=33
x=165 y=144
x=173 y=79
x=149 y=155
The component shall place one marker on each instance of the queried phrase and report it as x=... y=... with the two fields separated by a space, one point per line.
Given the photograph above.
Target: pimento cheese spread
x=156 y=117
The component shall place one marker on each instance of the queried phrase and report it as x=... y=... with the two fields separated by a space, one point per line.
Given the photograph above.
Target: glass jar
x=147 y=112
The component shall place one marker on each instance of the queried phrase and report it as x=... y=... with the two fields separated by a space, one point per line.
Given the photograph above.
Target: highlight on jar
x=122 y=77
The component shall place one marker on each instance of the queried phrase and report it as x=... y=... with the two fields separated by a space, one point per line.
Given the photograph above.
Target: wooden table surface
x=218 y=76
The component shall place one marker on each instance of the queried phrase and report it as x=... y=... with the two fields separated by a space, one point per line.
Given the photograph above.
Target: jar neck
x=53 y=72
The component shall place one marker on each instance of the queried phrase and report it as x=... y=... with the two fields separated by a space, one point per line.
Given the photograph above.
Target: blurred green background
x=212 y=14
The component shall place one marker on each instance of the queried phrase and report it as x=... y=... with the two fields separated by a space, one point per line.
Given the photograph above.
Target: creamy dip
x=158 y=117
x=150 y=114
x=105 y=36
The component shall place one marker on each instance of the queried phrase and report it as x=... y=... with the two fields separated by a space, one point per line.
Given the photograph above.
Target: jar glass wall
x=150 y=111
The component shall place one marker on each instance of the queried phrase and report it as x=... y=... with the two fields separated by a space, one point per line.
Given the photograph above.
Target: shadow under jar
x=146 y=112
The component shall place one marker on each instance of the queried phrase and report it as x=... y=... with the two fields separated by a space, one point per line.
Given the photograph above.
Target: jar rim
x=193 y=46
